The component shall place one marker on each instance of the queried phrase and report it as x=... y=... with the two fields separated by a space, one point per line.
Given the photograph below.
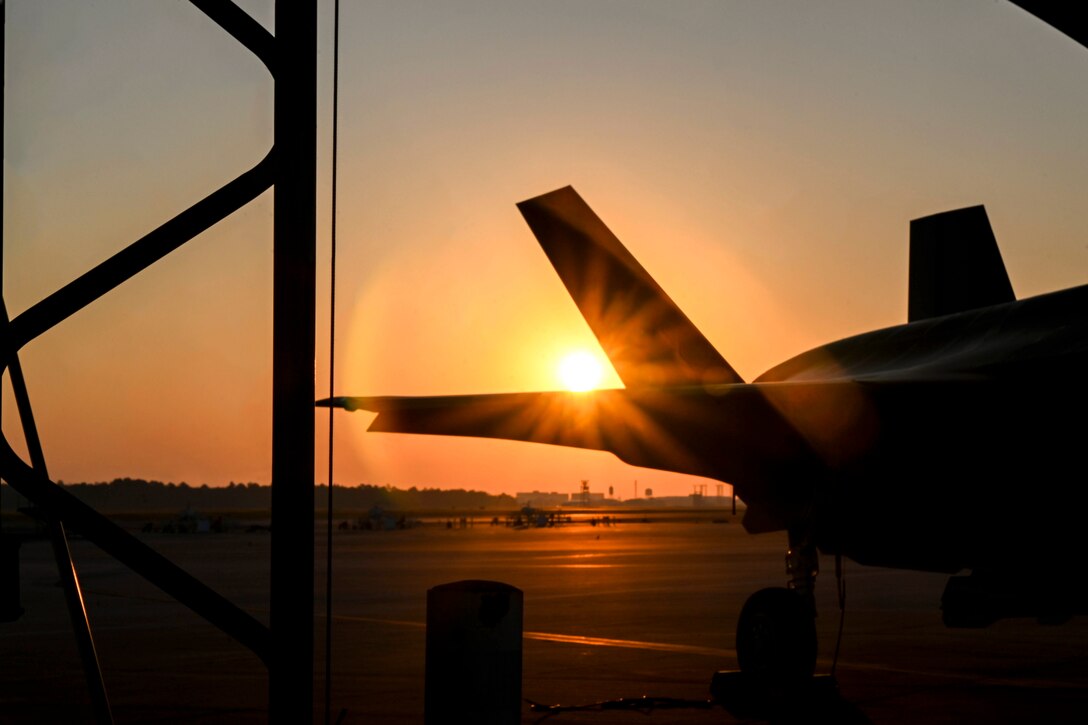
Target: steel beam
x=291 y=606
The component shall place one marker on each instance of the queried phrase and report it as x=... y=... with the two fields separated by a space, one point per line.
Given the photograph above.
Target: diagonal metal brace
x=140 y=255
x=135 y=554
x=242 y=28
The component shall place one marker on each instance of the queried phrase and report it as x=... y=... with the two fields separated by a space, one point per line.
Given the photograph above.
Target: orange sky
x=762 y=160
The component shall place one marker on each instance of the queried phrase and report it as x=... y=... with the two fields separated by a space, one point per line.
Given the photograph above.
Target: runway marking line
x=573 y=639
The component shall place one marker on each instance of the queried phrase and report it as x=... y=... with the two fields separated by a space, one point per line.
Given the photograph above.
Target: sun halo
x=580 y=371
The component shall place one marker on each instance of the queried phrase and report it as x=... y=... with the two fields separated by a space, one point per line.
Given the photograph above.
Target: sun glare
x=580 y=371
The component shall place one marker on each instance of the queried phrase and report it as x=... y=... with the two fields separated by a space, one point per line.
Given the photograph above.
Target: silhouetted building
x=539 y=498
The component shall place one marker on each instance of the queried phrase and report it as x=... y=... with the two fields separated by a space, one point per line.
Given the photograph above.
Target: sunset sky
x=761 y=159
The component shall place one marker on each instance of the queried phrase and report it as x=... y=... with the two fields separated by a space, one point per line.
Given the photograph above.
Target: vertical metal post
x=294 y=228
x=3 y=95
x=9 y=605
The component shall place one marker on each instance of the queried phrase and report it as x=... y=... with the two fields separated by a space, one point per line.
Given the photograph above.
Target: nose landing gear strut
x=776 y=639
x=776 y=632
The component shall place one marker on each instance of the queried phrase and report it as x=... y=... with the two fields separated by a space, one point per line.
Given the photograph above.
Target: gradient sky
x=761 y=159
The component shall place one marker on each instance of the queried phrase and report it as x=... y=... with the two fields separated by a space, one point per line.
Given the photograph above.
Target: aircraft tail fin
x=649 y=340
x=955 y=265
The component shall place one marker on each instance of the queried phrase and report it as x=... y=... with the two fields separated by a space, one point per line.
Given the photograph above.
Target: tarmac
x=610 y=612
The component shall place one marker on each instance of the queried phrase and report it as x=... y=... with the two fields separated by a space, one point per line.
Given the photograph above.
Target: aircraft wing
x=648 y=339
x=687 y=429
x=565 y=419
x=741 y=434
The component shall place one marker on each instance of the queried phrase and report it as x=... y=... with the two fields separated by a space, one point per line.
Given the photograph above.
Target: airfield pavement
x=610 y=611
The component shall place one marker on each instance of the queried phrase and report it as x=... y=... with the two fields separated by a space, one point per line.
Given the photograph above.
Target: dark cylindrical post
x=473 y=654
x=291 y=607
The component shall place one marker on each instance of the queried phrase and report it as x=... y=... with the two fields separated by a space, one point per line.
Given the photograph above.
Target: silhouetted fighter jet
x=955 y=441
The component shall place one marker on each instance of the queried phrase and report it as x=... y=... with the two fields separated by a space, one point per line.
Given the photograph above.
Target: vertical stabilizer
x=645 y=335
x=955 y=265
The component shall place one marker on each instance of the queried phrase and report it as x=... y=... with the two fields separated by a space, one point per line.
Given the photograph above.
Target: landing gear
x=776 y=650
x=776 y=632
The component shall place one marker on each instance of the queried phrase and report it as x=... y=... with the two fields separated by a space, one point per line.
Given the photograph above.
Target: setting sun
x=580 y=371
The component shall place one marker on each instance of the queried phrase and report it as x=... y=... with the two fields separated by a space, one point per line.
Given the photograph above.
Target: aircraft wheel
x=776 y=638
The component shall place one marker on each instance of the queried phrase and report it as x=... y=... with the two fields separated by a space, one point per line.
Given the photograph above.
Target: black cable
x=332 y=363
x=840 y=587
x=645 y=704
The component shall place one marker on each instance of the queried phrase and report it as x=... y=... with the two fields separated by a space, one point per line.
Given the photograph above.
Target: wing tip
x=349 y=404
x=540 y=198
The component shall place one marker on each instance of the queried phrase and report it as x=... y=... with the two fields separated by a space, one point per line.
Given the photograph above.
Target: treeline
x=134 y=495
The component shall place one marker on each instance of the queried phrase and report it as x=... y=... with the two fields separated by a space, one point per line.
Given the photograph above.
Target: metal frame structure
x=286 y=645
